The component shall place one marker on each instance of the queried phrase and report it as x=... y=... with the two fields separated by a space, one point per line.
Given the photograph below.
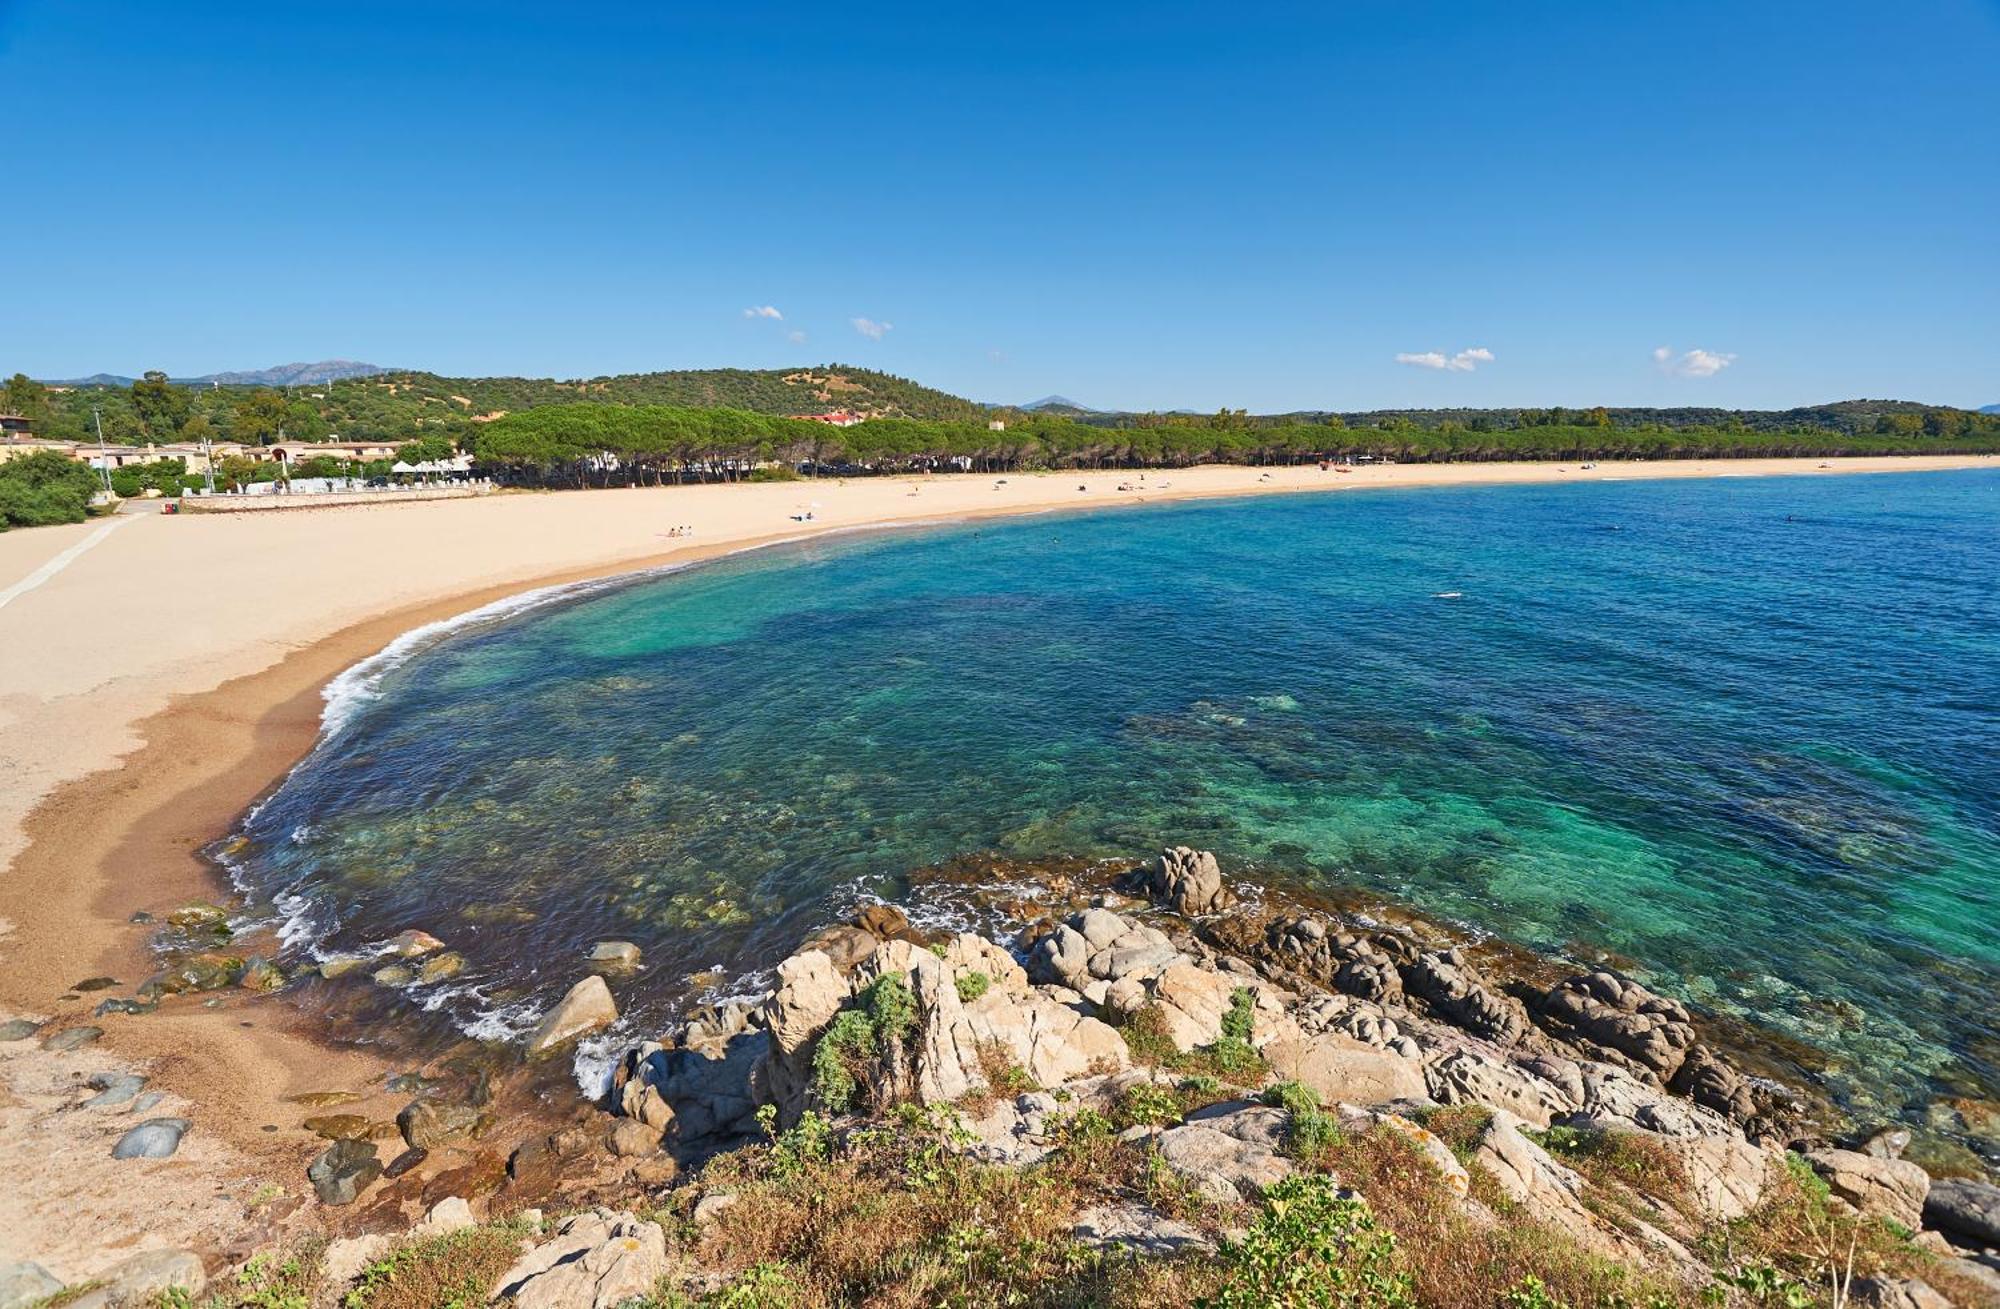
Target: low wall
x=249 y=504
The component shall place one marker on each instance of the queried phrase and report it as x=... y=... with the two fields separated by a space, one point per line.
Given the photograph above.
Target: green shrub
x=774 y=473
x=973 y=985
x=1312 y=1248
x=45 y=488
x=848 y=1040
x=1240 y=1023
x=1311 y=1131
x=890 y=1006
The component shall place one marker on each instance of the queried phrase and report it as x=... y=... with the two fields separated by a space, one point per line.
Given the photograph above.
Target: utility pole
x=103 y=456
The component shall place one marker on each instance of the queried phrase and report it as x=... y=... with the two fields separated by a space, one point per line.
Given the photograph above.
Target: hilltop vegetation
x=719 y=423
x=404 y=405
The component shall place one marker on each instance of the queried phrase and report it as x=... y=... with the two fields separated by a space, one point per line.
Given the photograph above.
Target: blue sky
x=1137 y=206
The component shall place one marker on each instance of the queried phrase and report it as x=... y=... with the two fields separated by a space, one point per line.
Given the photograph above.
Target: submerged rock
x=587 y=1008
x=339 y=1127
x=261 y=975
x=414 y=944
x=441 y=967
x=343 y=1171
x=614 y=957
x=200 y=917
x=209 y=970
x=425 y=1123
x=18 y=1029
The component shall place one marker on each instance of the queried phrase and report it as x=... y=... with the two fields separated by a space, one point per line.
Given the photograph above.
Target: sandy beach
x=158 y=673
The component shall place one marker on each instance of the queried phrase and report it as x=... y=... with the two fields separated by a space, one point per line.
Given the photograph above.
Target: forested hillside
x=399 y=406
x=710 y=409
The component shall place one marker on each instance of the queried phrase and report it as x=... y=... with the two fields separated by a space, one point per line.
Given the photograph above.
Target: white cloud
x=1692 y=363
x=871 y=329
x=796 y=338
x=764 y=311
x=1462 y=362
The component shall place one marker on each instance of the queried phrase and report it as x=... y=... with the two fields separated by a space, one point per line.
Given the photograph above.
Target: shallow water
x=1744 y=734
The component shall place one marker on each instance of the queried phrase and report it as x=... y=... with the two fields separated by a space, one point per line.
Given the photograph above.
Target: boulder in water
x=587 y=1008
x=1190 y=881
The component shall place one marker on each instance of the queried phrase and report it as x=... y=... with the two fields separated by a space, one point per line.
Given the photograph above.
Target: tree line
x=605 y=445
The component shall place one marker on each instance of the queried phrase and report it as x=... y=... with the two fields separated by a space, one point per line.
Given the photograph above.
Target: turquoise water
x=1744 y=733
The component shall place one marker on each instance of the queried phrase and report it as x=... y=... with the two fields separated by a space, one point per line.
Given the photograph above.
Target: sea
x=1740 y=736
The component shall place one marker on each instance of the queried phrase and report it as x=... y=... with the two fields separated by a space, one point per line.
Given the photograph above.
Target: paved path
x=60 y=562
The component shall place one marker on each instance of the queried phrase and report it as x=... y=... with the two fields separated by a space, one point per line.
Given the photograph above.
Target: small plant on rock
x=971 y=986
x=1148 y=1105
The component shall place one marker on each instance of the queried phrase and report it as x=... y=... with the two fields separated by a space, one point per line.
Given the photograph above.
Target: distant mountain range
x=326 y=370
x=1989 y=409
x=1057 y=404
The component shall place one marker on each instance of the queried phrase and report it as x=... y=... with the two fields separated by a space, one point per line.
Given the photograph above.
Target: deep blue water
x=1742 y=732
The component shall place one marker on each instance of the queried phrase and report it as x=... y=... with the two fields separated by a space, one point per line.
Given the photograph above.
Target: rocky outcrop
x=1526 y=1174
x=707 y=1082
x=1229 y=1151
x=959 y=1032
x=811 y=989
x=23 y=1283
x=586 y=1008
x=1966 y=1209
x=1340 y=1069
x=1190 y=881
x=1462 y=1076
x=140 y=1281
x=1726 y=1175
x=1456 y=991
x=1138 y=1228
x=1889 y=1188
x=1622 y=1020
x=596 y=1260
x=1895 y=1293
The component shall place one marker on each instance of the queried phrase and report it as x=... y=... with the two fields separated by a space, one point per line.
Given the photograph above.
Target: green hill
x=402 y=405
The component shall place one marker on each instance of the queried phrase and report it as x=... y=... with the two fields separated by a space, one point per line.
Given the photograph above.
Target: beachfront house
x=360 y=452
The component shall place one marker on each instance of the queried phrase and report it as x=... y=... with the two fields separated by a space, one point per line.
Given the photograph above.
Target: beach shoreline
x=139 y=734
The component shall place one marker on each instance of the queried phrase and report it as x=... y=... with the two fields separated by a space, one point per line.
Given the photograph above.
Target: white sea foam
x=597 y=1057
